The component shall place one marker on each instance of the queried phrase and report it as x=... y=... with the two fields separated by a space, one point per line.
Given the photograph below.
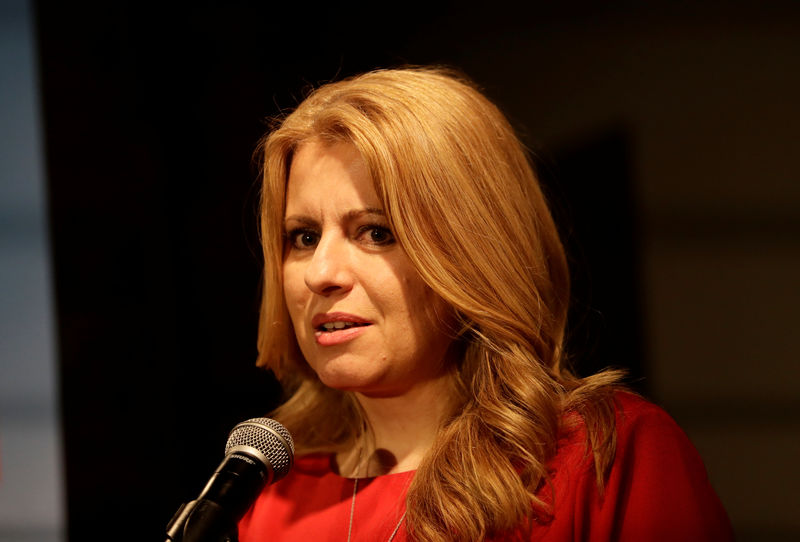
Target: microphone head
x=266 y=440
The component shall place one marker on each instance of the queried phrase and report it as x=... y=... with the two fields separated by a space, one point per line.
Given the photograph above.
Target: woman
x=420 y=338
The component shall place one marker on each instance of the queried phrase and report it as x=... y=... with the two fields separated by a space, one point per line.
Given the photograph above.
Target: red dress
x=657 y=489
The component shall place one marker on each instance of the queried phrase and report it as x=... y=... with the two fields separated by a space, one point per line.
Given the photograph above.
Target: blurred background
x=665 y=134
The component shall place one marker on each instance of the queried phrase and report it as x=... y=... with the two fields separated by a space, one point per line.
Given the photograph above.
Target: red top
x=657 y=489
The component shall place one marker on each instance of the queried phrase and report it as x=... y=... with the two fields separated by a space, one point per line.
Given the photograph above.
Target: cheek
x=416 y=293
x=429 y=315
x=294 y=289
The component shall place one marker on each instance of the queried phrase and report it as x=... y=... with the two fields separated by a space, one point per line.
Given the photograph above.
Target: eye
x=302 y=239
x=376 y=235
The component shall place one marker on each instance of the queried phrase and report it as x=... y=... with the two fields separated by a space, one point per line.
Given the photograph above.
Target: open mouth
x=336 y=326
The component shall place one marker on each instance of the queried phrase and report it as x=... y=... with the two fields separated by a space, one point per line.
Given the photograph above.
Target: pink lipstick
x=337 y=327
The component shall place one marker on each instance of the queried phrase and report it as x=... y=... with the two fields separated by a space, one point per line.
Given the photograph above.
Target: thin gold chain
x=353 y=508
x=397 y=527
x=353 y=504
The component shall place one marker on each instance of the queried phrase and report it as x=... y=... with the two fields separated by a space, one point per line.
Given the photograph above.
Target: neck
x=401 y=429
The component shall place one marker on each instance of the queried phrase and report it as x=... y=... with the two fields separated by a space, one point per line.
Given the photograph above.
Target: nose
x=329 y=270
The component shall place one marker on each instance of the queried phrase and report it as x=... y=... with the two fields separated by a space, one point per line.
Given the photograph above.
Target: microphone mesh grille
x=261 y=434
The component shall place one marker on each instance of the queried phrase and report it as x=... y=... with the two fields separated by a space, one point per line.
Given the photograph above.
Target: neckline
x=335 y=472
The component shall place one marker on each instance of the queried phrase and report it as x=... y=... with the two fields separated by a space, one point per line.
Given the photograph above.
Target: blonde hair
x=464 y=203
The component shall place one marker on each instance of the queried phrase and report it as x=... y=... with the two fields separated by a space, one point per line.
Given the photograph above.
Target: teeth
x=330 y=326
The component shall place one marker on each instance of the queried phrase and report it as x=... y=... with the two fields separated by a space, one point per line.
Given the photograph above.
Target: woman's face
x=364 y=319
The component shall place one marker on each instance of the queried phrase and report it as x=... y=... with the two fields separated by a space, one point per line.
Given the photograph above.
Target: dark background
x=152 y=112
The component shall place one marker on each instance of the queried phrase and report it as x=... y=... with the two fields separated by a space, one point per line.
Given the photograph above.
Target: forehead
x=326 y=175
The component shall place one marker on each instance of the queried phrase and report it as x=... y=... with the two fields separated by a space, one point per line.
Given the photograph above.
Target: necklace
x=353 y=505
x=352 y=510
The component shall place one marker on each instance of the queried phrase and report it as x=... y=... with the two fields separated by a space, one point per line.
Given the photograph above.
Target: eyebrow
x=357 y=213
x=349 y=215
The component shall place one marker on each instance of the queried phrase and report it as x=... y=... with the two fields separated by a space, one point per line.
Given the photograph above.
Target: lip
x=339 y=336
x=320 y=319
x=331 y=338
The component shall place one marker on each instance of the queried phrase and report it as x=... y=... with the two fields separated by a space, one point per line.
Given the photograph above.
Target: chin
x=368 y=385
x=346 y=380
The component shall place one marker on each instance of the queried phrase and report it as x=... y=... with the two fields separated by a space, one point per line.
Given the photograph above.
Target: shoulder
x=646 y=427
x=640 y=427
x=632 y=410
x=656 y=488
x=659 y=477
x=650 y=443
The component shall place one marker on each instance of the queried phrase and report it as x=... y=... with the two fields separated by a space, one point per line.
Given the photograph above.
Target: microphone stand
x=202 y=520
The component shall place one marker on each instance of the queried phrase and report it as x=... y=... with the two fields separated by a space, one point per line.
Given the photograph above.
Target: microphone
x=259 y=451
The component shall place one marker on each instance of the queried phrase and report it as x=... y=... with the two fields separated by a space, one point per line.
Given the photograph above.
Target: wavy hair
x=462 y=199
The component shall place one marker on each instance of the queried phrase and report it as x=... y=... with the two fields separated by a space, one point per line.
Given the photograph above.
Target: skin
x=342 y=263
